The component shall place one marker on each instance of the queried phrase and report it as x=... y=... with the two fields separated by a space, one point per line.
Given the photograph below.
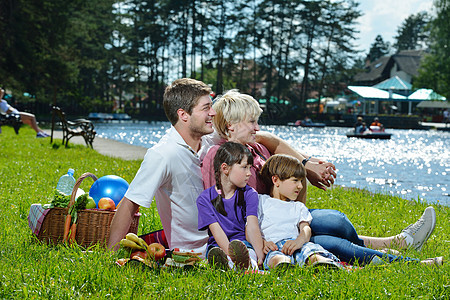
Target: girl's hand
x=290 y=246
x=269 y=246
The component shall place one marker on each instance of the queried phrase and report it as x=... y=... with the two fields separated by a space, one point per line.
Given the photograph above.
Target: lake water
x=412 y=164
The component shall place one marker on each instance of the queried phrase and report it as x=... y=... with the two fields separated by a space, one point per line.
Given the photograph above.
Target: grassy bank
x=30 y=168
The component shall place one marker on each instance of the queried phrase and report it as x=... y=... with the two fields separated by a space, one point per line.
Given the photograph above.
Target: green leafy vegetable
x=80 y=203
x=59 y=200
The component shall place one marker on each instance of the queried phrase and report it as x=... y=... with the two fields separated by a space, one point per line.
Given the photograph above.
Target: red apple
x=106 y=203
x=156 y=251
x=138 y=253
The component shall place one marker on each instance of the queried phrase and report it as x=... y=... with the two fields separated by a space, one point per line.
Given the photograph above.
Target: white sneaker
x=418 y=233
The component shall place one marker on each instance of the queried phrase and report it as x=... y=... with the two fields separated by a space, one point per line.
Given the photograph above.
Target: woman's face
x=244 y=131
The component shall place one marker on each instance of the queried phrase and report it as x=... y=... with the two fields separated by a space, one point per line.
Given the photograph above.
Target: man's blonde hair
x=234 y=107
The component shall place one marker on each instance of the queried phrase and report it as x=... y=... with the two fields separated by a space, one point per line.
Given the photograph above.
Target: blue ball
x=111 y=186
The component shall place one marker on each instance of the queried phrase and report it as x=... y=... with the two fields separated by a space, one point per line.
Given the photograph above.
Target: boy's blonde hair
x=234 y=107
x=284 y=166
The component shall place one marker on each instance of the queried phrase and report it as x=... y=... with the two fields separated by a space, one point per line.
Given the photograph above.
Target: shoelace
x=416 y=226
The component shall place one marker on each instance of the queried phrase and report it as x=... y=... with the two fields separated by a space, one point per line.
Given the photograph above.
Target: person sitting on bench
x=25 y=117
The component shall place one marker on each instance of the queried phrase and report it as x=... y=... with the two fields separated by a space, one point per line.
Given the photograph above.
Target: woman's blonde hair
x=234 y=107
x=284 y=166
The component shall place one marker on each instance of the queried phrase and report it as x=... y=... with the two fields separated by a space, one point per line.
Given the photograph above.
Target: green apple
x=90 y=203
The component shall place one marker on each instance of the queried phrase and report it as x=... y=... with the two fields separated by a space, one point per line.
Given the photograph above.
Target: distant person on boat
x=307 y=120
x=363 y=129
x=358 y=125
x=376 y=126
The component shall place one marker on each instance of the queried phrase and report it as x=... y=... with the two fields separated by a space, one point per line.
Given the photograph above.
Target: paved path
x=108 y=147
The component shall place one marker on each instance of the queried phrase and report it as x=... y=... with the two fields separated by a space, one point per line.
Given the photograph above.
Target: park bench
x=12 y=120
x=79 y=127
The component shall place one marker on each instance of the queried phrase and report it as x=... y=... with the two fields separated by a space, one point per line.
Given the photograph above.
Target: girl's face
x=244 y=131
x=239 y=173
x=289 y=189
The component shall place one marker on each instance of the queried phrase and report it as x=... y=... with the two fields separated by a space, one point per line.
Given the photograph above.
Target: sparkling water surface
x=413 y=164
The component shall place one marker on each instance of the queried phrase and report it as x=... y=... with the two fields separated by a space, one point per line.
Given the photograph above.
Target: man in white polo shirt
x=171 y=169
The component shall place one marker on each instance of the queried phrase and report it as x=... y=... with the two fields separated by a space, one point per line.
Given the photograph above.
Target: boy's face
x=289 y=189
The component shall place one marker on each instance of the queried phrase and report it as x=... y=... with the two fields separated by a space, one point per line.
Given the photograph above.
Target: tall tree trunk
x=324 y=68
x=194 y=42
x=305 y=82
x=220 y=50
x=185 y=43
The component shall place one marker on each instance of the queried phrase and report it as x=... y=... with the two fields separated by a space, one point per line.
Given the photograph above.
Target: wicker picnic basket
x=93 y=225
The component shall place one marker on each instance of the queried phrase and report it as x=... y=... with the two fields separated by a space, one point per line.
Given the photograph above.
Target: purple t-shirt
x=233 y=224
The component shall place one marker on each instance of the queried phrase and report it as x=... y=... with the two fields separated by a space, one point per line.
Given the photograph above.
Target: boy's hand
x=260 y=262
x=290 y=246
x=269 y=246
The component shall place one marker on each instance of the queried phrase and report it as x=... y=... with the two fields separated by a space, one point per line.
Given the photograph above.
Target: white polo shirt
x=171 y=173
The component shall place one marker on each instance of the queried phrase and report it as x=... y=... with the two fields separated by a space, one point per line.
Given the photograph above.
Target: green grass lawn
x=30 y=169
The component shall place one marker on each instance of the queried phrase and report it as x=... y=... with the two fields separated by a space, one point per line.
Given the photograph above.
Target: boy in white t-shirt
x=284 y=223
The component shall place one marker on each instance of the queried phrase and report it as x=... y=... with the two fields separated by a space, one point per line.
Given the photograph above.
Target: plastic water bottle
x=66 y=182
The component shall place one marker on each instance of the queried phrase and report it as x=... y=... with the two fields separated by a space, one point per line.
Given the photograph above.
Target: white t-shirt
x=171 y=173
x=4 y=106
x=279 y=219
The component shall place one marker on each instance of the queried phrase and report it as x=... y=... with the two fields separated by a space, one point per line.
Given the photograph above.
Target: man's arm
x=319 y=173
x=121 y=222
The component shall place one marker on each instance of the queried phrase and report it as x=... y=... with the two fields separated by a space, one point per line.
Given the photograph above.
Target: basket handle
x=77 y=185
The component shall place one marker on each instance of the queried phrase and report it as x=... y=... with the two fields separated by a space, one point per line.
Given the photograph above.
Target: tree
x=434 y=72
x=378 y=49
x=340 y=18
x=35 y=51
x=413 y=33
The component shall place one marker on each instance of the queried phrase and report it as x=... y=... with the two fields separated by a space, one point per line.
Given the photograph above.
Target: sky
x=383 y=17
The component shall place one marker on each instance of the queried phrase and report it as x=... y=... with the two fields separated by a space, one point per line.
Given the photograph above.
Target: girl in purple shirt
x=229 y=211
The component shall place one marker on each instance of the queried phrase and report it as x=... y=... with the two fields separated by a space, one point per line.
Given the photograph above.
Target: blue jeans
x=334 y=223
x=333 y=231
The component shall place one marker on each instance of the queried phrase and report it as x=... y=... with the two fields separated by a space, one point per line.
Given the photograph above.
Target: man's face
x=200 y=121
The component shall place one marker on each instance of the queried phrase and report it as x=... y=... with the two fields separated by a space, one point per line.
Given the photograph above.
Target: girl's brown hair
x=229 y=153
